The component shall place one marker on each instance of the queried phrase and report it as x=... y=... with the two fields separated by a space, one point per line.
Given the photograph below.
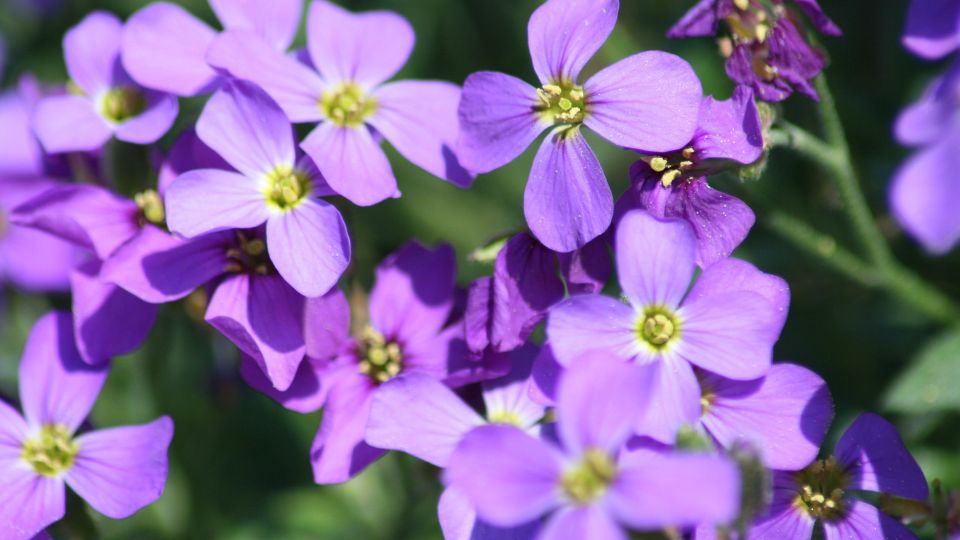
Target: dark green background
x=240 y=464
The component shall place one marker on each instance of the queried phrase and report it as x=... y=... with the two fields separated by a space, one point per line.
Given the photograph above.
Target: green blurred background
x=240 y=463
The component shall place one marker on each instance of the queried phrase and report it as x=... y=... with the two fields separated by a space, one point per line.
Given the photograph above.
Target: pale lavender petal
x=276 y=21
x=248 y=129
x=599 y=400
x=419 y=118
x=363 y=48
x=508 y=476
x=21 y=153
x=310 y=246
x=655 y=259
x=862 y=521
x=458 y=521
x=35 y=261
x=922 y=196
x=589 y=521
x=932 y=28
x=563 y=35
x=164 y=48
x=509 y=396
x=119 y=471
x=352 y=162
x=567 y=202
x=56 y=386
x=69 y=124
x=13 y=431
x=210 y=200
x=148 y=126
x=413 y=293
x=649 y=101
x=28 y=502
x=656 y=493
x=497 y=122
x=339 y=452
x=587 y=322
x=327 y=325
x=419 y=415
x=674 y=399
x=91 y=50
x=730 y=334
x=108 y=321
x=876 y=459
x=730 y=129
x=308 y=391
x=785 y=415
x=158 y=267
x=263 y=316
x=294 y=86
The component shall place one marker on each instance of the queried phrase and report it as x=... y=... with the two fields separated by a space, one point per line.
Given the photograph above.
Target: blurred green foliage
x=240 y=463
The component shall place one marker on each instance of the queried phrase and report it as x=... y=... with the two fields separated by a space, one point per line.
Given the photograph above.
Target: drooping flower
x=933 y=28
x=118 y=471
x=589 y=487
x=103 y=101
x=674 y=185
x=165 y=47
x=307 y=240
x=726 y=324
x=344 y=88
x=766 y=48
x=647 y=101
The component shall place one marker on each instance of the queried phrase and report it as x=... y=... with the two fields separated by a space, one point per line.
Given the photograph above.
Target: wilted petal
x=310 y=246
x=276 y=21
x=655 y=259
x=583 y=323
x=352 y=162
x=209 y=200
x=69 y=124
x=564 y=35
x=91 y=50
x=875 y=458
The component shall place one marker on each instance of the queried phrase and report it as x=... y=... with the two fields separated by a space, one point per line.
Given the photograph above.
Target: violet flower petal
x=674 y=399
x=563 y=36
x=458 y=521
x=582 y=323
x=587 y=269
x=306 y=394
x=655 y=259
x=69 y=124
x=339 y=452
x=28 y=502
x=310 y=246
x=210 y=200
x=875 y=458
x=91 y=50
x=588 y=521
x=702 y=20
x=933 y=28
x=151 y=124
x=730 y=129
x=276 y=21
x=352 y=162
x=865 y=522
x=510 y=394
x=783 y=519
x=326 y=325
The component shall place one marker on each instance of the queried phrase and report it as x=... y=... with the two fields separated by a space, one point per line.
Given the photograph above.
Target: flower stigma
x=122 y=103
x=286 y=188
x=51 y=452
x=821 y=489
x=151 y=207
x=673 y=167
x=562 y=104
x=381 y=360
x=248 y=255
x=346 y=105
x=658 y=328
x=589 y=479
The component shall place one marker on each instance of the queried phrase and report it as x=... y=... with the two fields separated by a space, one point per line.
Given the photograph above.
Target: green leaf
x=929 y=384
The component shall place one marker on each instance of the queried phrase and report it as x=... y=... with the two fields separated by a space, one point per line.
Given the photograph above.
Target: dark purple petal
x=276 y=21
x=702 y=20
x=108 y=321
x=865 y=522
x=339 y=452
x=119 y=471
x=28 y=502
x=583 y=323
x=308 y=391
x=875 y=458
x=187 y=153
x=820 y=21
x=151 y=124
x=352 y=163
x=263 y=316
x=497 y=120
x=588 y=521
x=933 y=28
x=478 y=315
x=567 y=202
x=310 y=246
x=649 y=101
x=655 y=259
x=419 y=118
x=91 y=50
x=445 y=357
x=544 y=377
x=729 y=129
x=736 y=275
x=327 y=325
x=563 y=35
x=587 y=269
x=740 y=69
x=69 y=124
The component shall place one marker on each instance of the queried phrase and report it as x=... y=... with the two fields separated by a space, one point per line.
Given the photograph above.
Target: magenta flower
x=588 y=485
x=933 y=28
x=674 y=185
x=352 y=55
x=117 y=471
x=103 y=100
x=726 y=324
x=307 y=240
x=165 y=47
x=647 y=101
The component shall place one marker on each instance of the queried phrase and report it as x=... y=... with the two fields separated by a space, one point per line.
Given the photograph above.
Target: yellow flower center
x=672 y=167
x=658 y=328
x=381 y=360
x=821 y=488
x=589 y=479
x=122 y=103
x=286 y=188
x=52 y=452
x=151 y=207
x=505 y=417
x=347 y=105
x=562 y=103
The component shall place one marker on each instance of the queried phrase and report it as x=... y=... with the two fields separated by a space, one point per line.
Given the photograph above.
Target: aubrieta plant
x=548 y=401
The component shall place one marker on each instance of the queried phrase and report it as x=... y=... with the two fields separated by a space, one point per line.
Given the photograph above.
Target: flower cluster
x=642 y=411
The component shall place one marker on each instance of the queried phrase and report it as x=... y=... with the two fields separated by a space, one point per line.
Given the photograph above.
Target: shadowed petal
x=148 y=126
x=587 y=269
x=874 y=456
x=119 y=471
x=865 y=522
x=509 y=396
x=583 y=323
x=339 y=452
x=56 y=386
x=933 y=28
x=327 y=325
x=674 y=399
x=210 y=200
x=567 y=201
x=702 y=20
x=91 y=50
x=649 y=101
x=655 y=259
x=352 y=162
x=275 y=21
x=545 y=377
x=28 y=502
x=590 y=521
x=69 y=124
x=308 y=391
x=820 y=21
x=783 y=519
x=564 y=35
x=445 y=357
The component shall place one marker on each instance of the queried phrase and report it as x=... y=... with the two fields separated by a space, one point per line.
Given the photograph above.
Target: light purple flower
x=647 y=101
x=587 y=485
x=103 y=101
x=307 y=240
x=933 y=28
x=165 y=47
x=344 y=88
x=726 y=324
x=117 y=471
x=674 y=185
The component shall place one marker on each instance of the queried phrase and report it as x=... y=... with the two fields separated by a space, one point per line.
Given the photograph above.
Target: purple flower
x=307 y=240
x=923 y=197
x=647 y=101
x=933 y=28
x=589 y=486
x=103 y=100
x=766 y=49
x=674 y=185
x=870 y=457
x=165 y=47
x=352 y=55
x=118 y=471
x=726 y=324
